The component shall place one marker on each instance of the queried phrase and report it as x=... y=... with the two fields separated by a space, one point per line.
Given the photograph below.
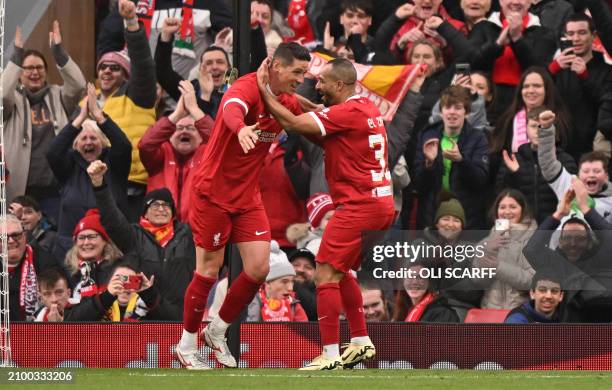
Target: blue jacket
x=526 y=314
x=467 y=177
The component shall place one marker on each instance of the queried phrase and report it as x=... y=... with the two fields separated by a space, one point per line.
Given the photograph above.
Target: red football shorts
x=213 y=227
x=341 y=245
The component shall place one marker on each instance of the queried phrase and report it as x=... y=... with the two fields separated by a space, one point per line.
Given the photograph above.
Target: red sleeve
x=149 y=146
x=334 y=119
x=237 y=102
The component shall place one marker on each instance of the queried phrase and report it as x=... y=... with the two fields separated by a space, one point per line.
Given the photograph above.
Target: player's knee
x=259 y=272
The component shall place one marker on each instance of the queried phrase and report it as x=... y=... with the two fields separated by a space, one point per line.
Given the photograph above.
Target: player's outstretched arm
x=303 y=124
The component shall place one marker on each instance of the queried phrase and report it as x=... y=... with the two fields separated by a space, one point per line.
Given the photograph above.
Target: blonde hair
x=110 y=253
x=93 y=126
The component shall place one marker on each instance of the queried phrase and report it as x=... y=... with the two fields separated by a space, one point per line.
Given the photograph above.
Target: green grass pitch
x=288 y=379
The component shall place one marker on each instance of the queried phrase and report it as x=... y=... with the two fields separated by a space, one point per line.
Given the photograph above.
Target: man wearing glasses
x=24 y=263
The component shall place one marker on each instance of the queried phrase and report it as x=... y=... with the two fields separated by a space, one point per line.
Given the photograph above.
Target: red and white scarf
x=417 y=310
x=276 y=310
x=28 y=287
x=519 y=130
x=163 y=234
x=183 y=45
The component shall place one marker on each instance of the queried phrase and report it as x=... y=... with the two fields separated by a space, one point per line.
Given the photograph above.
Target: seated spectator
x=546 y=295
x=452 y=156
x=214 y=64
x=419 y=302
x=375 y=306
x=592 y=170
x=91 y=259
x=34 y=112
x=412 y=23
x=320 y=209
x=75 y=147
x=118 y=301
x=522 y=172
x=128 y=94
x=38 y=227
x=504 y=252
x=24 y=263
x=158 y=245
x=275 y=300
x=582 y=77
x=303 y=262
x=447 y=230
x=54 y=295
x=174 y=146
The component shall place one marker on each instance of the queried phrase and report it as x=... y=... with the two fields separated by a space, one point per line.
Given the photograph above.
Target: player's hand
x=453 y=153
x=92 y=104
x=263 y=75
x=510 y=161
x=328 y=39
x=127 y=9
x=546 y=119
x=247 y=137
x=54 y=314
x=55 y=36
x=430 y=150
x=582 y=195
x=170 y=27
x=565 y=205
x=96 y=171
x=18 y=38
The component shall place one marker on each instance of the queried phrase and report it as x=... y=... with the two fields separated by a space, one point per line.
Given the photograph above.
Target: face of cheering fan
x=186 y=138
x=90 y=245
x=89 y=144
x=34 y=75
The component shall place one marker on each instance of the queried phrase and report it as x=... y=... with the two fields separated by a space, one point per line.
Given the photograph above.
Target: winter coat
x=466 y=179
x=166 y=168
x=513 y=273
x=172 y=265
x=529 y=180
x=526 y=314
x=70 y=169
x=44 y=234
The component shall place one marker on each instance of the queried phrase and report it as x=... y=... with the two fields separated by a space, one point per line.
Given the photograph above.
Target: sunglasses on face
x=112 y=67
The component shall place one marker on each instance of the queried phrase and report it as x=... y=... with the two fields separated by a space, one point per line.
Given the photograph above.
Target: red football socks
x=241 y=293
x=195 y=301
x=329 y=306
x=352 y=303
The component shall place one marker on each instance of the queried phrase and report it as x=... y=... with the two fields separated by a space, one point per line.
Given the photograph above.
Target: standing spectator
x=504 y=252
x=452 y=156
x=303 y=262
x=419 y=302
x=34 y=112
x=158 y=245
x=75 y=147
x=582 y=77
x=374 y=303
x=276 y=299
x=172 y=147
x=54 y=295
x=546 y=295
x=261 y=14
x=128 y=95
x=38 y=227
x=320 y=208
x=474 y=11
x=521 y=171
x=214 y=63
x=24 y=263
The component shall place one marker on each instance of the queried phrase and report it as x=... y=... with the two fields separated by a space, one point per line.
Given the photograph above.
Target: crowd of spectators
x=506 y=129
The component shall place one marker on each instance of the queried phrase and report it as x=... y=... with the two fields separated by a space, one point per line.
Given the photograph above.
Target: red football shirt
x=355 y=143
x=227 y=176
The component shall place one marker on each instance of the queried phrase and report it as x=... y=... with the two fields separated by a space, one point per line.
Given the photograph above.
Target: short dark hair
x=549 y=275
x=50 y=277
x=216 y=48
x=456 y=94
x=578 y=17
x=35 y=53
x=27 y=201
x=594 y=156
x=354 y=5
x=343 y=70
x=286 y=52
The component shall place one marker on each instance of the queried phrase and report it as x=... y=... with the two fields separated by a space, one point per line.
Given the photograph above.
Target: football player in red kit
x=352 y=132
x=227 y=205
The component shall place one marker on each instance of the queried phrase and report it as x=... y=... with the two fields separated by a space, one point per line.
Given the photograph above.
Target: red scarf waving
x=28 y=287
x=163 y=234
x=417 y=310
